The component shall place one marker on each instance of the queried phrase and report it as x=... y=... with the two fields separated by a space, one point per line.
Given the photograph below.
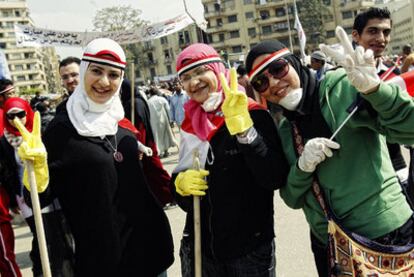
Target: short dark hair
x=241 y=70
x=69 y=60
x=362 y=18
x=4 y=83
x=153 y=91
x=407 y=49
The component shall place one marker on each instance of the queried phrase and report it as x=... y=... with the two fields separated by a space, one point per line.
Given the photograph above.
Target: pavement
x=293 y=254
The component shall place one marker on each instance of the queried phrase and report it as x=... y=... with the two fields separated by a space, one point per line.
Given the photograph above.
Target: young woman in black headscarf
x=369 y=203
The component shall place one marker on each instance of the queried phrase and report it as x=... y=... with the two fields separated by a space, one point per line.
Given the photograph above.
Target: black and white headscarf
x=308 y=114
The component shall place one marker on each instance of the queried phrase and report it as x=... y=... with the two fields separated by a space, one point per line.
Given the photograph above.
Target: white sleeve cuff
x=249 y=137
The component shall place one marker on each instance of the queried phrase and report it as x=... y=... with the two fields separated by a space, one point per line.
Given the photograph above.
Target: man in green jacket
x=354 y=169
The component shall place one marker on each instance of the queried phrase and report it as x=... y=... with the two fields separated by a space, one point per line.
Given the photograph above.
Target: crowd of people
x=102 y=185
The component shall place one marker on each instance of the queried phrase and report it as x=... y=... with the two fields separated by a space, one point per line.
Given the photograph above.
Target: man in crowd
x=372 y=30
x=177 y=101
x=69 y=73
x=319 y=64
x=6 y=91
x=408 y=59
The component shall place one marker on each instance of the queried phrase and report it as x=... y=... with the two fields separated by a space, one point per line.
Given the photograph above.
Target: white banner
x=33 y=36
x=4 y=68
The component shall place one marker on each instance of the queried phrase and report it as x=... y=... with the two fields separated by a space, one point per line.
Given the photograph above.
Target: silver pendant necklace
x=117 y=155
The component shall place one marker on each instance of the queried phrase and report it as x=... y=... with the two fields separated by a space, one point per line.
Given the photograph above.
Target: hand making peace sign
x=235 y=105
x=358 y=63
x=32 y=149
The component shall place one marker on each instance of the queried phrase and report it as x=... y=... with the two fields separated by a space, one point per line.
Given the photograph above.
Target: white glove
x=359 y=63
x=146 y=150
x=316 y=150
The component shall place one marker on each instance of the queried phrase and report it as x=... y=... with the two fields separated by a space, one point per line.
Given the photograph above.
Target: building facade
x=234 y=26
x=156 y=59
x=402 y=14
x=31 y=69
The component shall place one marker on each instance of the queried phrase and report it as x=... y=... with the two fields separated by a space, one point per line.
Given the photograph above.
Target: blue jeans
x=259 y=263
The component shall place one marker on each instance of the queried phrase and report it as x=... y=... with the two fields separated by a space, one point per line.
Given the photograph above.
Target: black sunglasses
x=20 y=115
x=278 y=69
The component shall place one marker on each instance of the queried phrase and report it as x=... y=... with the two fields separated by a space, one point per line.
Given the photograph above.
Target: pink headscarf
x=201 y=54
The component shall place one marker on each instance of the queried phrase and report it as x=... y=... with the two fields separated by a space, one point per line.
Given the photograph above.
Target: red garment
x=1 y=122
x=4 y=206
x=405 y=81
x=158 y=178
x=8 y=265
x=125 y=123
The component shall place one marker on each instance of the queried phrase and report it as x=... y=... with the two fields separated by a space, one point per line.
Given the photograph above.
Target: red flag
x=405 y=81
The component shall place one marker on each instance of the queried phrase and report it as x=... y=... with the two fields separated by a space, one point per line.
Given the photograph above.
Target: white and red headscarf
x=91 y=119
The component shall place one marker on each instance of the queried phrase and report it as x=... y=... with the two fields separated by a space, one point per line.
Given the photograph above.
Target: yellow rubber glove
x=236 y=113
x=32 y=149
x=191 y=182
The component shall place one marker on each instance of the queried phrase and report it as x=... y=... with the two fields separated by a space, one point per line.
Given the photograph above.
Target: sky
x=77 y=15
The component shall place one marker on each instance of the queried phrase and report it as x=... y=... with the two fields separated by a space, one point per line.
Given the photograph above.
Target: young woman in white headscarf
x=118 y=226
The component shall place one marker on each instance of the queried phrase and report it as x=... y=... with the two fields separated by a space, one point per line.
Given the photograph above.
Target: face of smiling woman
x=278 y=88
x=199 y=83
x=101 y=82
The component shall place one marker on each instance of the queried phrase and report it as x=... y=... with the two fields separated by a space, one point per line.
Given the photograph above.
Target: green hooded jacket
x=359 y=182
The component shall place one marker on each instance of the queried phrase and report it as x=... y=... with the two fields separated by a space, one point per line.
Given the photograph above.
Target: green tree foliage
x=29 y=91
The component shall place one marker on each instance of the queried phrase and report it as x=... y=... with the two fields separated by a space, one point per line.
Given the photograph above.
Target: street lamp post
x=289 y=30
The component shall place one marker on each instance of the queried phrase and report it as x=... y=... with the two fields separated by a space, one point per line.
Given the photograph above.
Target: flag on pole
x=301 y=33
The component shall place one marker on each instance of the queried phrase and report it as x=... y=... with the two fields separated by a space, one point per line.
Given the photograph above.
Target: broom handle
x=197 y=229
x=40 y=232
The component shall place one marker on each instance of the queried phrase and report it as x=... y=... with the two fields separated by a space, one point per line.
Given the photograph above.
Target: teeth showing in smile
x=281 y=92
x=100 y=90
x=200 y=89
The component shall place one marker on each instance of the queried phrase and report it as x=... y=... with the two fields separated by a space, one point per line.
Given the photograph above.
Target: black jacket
x=237 y=211
x=118 y=226
x=9 y=177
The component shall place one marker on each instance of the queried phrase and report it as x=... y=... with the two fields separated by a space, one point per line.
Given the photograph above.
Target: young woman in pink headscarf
x=241 y=162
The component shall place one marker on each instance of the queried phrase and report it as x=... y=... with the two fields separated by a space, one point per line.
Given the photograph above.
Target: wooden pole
x=40 y=232
x=197 y=225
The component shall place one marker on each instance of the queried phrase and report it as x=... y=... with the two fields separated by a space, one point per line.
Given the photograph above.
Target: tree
x=312 y=14
x=117 y=19
x=120 y=19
